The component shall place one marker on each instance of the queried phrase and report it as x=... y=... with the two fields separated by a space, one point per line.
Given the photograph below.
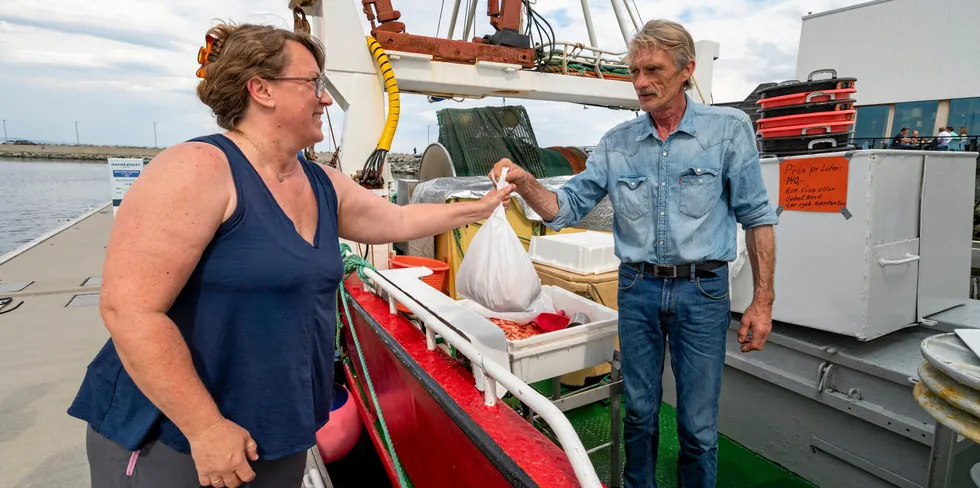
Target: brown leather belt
x=679 y=271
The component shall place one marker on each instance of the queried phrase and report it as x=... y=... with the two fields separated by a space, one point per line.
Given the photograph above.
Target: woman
x=220 y=279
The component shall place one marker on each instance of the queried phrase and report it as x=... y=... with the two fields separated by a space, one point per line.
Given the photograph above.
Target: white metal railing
x=492 y=373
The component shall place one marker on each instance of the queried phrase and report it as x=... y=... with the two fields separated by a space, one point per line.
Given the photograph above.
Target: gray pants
x=159 y=466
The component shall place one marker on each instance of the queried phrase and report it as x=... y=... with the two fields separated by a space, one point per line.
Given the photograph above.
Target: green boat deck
x=738 y=467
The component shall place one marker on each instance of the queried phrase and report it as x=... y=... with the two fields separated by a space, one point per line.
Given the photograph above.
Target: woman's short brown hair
x=248 y=51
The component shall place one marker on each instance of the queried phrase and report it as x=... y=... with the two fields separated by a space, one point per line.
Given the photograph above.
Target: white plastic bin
x=553 y=354
x=579 y=252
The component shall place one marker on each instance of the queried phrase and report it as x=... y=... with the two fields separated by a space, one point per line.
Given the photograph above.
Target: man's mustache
x=644 y=94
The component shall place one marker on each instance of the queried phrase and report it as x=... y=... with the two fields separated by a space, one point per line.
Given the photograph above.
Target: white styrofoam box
x=553 y=354
x=586 y=252
x=903 y=254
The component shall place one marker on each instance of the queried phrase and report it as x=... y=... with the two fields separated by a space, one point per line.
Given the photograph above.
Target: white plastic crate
x=553 y=354
x=579 y=252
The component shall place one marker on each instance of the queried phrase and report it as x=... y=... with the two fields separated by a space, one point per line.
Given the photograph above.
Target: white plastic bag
x=497 y=273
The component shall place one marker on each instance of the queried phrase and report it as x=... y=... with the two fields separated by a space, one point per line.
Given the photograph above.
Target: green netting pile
x=477 y=138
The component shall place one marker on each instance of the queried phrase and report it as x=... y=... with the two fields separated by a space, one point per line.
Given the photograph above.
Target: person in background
x=915 y=142
x=943 y=138
x=679 y=178
x=901 y=140
x=220 y=281
x=956 y=142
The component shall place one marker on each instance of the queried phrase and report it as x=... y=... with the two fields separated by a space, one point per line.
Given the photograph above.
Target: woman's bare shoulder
x=191 y=156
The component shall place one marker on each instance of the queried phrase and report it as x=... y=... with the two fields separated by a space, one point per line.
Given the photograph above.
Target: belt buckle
x=662 y=271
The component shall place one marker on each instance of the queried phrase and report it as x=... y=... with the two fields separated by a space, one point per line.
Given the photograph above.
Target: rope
x=459 y=243
x=353 y=263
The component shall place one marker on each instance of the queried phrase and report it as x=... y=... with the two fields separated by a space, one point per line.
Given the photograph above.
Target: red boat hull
x=443 y=433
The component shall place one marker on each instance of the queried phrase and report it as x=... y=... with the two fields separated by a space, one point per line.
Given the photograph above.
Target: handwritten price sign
x=813 y=185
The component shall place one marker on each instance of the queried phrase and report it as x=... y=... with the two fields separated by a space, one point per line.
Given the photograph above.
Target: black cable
x=439 y=24
x=7 y=301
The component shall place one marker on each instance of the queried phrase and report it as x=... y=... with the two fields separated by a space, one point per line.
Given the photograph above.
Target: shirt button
x=661 y=242
x=663 y=183
x=700 y=180
x=665 y=153
x=661 y=213
x=698 y=171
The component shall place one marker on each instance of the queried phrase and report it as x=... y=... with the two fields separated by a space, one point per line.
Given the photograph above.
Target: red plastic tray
x=807 y=119
x=807 y=130
x=807 y=97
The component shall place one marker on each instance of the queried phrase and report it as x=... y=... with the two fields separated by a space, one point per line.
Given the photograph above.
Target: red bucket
x=436 y=280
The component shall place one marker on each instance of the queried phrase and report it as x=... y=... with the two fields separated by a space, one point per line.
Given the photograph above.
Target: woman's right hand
x=495 y=198
x=220 y=452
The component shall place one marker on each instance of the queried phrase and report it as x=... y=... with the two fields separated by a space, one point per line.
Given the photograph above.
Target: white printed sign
x=123 y=172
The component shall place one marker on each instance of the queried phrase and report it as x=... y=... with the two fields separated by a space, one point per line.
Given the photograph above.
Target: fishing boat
x=448 y=400
x=441 y=394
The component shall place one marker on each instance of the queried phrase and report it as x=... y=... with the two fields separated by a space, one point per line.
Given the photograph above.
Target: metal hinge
x=823 y=371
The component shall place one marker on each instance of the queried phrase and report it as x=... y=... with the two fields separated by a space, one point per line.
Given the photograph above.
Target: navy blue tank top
x=258 y=315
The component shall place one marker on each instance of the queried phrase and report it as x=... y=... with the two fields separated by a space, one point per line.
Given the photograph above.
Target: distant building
x=915 y=61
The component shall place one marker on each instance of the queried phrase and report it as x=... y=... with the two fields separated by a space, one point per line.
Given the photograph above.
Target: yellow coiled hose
x=371 y=175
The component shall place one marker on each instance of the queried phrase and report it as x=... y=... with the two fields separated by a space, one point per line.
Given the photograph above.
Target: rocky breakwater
x=77 y=153
x=403 y=166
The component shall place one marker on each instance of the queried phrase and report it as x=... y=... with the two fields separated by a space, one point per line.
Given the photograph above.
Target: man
x=679 y=177
x=901 y=140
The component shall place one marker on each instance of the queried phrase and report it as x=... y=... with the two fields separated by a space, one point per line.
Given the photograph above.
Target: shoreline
x=403 y=165
x=94 y=154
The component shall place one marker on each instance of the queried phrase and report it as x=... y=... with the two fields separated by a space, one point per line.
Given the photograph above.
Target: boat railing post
x=615 y=421
x=430 y=337
x=489 y=388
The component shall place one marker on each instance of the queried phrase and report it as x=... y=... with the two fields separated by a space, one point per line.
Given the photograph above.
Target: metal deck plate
x=958 y=421
x=957 y=395
x=93 y=281
x=894 y=356
x=949 y=354
x=14 y=286
x=84 y=300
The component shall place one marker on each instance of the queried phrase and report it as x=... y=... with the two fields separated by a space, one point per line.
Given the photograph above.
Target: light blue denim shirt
x=675 y=201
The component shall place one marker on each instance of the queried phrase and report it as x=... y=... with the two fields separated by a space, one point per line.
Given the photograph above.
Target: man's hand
x=756 y=324
x=219 y=455
x=515 y=174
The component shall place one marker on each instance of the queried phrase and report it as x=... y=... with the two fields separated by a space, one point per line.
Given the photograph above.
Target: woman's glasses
x=318 y=84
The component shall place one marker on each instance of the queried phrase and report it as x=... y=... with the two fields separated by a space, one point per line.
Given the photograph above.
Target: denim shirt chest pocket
x=632 y=196
x=700 y=189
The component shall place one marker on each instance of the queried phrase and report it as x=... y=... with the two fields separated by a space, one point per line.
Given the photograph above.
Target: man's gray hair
x=668 y=36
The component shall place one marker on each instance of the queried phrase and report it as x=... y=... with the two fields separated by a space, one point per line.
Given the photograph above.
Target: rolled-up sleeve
x=749 y=198
x=581 y=193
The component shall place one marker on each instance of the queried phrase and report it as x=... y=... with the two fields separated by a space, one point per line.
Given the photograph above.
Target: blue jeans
x=692 y=316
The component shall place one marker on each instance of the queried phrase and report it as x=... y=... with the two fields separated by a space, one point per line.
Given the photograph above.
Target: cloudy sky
x=117 y=67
